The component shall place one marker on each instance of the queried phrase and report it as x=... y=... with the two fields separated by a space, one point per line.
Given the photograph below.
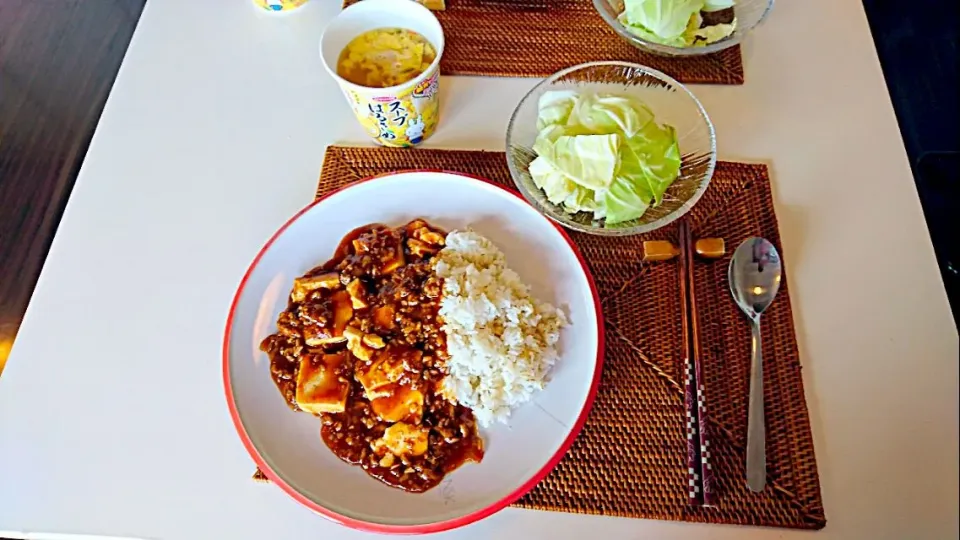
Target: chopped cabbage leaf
x=667 y=19
x=675 y=23
x=554 y=107
x=602 y=153
x=588 y=160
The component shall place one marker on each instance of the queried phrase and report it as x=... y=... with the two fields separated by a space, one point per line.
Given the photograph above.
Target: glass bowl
x=749 y=14
x=671 y=104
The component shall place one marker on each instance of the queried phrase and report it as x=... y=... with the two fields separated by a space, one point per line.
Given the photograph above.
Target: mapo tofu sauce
x=360 y=345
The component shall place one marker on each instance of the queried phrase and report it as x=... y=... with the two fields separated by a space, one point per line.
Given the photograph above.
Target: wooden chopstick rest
x=659 y=250
x=710 y=248
x=434 y=5
x=664 y=250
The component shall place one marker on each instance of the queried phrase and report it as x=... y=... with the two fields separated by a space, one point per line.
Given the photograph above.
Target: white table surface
x=112 y=415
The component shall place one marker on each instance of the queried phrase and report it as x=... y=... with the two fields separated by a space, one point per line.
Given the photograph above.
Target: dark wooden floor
x=58 y=60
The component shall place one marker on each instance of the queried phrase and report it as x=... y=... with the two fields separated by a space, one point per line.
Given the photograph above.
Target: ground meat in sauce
x=400 y=308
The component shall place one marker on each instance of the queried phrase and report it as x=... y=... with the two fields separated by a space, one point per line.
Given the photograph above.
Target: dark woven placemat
x=536 y=38
x=630 y=458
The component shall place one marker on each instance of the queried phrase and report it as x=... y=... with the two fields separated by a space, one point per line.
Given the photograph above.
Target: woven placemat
x=536 y=38
x=630 y=458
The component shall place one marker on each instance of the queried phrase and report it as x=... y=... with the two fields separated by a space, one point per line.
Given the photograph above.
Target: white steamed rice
x=501 y=340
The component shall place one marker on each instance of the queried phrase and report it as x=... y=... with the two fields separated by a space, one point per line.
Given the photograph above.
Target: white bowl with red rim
x=287 y=446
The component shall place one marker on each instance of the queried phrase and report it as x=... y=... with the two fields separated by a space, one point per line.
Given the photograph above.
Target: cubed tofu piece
x=384 y=317
x=386 y=369
x=433 y=238
x=394 y=261
x=352 y=333
x=356 y=345
x=402 y=439
x=302 y=286
x=358 y=294
x=419 y=248
x=374 y=341
x=361 y=351
x=342 y=311
x=403 y=404
x=414 y=226
x=316 y=335
x=319 y=388
x=421 y=230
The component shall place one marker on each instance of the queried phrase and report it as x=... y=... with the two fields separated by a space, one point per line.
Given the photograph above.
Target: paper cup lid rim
x=398 y=87
x=417 y=6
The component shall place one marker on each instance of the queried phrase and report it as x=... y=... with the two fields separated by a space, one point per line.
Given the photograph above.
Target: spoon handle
x=756 y=431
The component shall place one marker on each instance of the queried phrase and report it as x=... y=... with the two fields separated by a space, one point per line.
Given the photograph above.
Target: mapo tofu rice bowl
x=414 y=351
x=407 y=340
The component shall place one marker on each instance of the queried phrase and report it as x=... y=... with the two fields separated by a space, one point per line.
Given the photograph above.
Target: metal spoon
x=754 y=275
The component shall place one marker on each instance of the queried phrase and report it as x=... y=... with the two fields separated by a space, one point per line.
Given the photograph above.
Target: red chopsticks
x=699 y=471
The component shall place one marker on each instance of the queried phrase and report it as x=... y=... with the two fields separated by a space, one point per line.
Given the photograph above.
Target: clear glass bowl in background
x=671 y=104
x=749 y=14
